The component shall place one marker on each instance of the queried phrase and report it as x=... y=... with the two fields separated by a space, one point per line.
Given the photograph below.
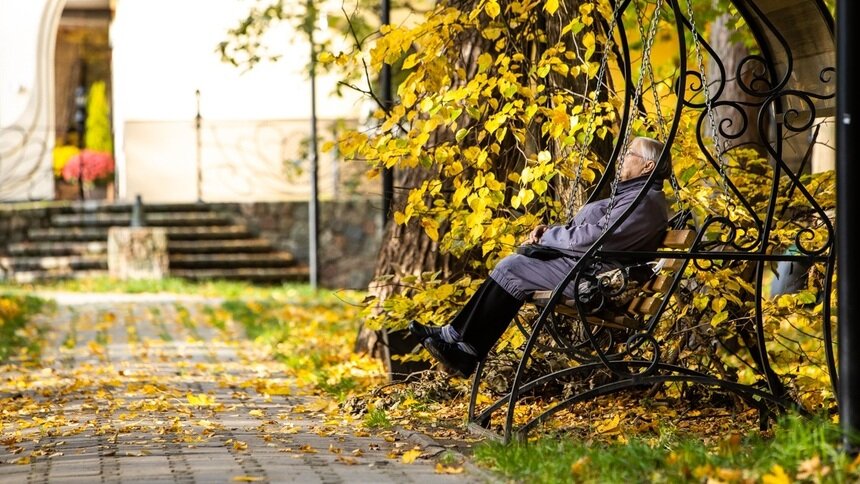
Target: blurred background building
x=141 y=64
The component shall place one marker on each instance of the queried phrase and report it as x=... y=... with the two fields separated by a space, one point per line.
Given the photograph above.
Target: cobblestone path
x=131 y=389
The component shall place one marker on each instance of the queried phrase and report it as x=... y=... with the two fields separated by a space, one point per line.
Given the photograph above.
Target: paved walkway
x=138 y=389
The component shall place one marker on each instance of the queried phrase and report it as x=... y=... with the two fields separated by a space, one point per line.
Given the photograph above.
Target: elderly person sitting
x=470 y=336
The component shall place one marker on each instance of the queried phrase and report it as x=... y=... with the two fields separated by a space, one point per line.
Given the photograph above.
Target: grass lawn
x=19 y=336
x=796 y=450
x=215 y=288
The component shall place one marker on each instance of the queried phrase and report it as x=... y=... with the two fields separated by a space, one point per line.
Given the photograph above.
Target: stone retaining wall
x=349 y=235
x=349 y=239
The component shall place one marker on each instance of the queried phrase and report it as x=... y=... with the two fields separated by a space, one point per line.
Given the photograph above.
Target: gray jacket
x=643 y=230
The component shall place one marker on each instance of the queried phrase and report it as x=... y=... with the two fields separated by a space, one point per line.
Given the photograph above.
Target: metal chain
x=634 y=107
x=589 y=126
x=721 y=165
x=661 y=122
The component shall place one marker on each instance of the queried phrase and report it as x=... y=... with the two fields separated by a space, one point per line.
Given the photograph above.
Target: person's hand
x=536 y=234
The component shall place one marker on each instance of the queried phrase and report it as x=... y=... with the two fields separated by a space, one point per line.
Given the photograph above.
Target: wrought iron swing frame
x=783 y=111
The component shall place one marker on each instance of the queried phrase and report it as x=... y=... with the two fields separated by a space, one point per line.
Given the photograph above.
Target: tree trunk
x=406 y=249
x=732 y=53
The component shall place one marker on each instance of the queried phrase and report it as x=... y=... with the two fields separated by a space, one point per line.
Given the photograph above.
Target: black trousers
x=484 y=318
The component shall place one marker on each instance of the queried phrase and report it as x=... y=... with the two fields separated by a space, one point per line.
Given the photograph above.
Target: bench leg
x=519 y=375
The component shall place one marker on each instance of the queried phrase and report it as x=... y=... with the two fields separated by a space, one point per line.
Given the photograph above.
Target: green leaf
x=688 y=173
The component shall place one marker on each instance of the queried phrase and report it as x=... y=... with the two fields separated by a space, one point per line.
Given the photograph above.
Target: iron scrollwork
x=620 y=354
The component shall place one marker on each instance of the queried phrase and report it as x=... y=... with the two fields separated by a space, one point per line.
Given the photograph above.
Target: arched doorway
x=82 y=87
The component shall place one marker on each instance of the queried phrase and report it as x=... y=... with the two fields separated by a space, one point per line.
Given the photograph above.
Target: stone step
x=78 y=234
x=74 y=263
x=25 y=277
x=216 y=246
x=97 y=206
x=204 y=261
x=296 y=273
x=19 y=249
x=157 y=219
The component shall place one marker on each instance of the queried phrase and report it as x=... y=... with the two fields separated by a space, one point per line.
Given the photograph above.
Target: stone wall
x=350 y=234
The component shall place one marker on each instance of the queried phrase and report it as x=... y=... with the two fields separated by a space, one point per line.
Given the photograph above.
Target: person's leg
x=488 y=318
x=448 y=333
x=470 y=336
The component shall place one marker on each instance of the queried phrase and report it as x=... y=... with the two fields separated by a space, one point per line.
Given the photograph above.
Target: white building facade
x=254 y=126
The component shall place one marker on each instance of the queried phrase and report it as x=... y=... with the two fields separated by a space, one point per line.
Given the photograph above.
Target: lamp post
x=313 y=205
x=847 y=208
x=198 y=124
x=80 y=125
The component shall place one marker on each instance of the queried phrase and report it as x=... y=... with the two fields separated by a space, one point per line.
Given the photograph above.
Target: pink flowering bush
x=98 y=166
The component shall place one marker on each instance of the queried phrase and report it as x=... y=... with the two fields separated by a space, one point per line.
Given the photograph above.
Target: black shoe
x=423 y=332
x=451 y=356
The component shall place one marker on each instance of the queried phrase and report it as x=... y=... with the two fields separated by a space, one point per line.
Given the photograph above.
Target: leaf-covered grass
x=213 y=288
x=312 y=334
x=377 y=419
x=799 y=450
x=18 y=334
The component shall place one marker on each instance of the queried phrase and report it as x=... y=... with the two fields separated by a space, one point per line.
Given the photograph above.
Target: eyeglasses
x=640 y=155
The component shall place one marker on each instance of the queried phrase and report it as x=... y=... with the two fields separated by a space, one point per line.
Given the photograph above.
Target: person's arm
x=572 y=237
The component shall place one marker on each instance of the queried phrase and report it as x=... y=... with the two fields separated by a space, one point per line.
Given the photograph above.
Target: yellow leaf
x=544 y=157
x=410 y=455
x=431 y=227
x=278 y=389
x=96 y=348
x=776 y=475
x=718 y=304
x=248 y=479
x=719 y=318
x=610 y=426
x=485 y=60
x=443 y=469
x=526 y=195
x=256 y=413
x=492 y=8
x=491 y=33
x=201 y=399
x=551 y=6
x=410 y=61
x=399 y=218
x=580 y=465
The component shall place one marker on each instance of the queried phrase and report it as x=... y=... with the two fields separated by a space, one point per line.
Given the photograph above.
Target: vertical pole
x=847 y=240
x=387 y=100
x=198 y=125
x=313 y=207
x=81 y=118
x=81 y=126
